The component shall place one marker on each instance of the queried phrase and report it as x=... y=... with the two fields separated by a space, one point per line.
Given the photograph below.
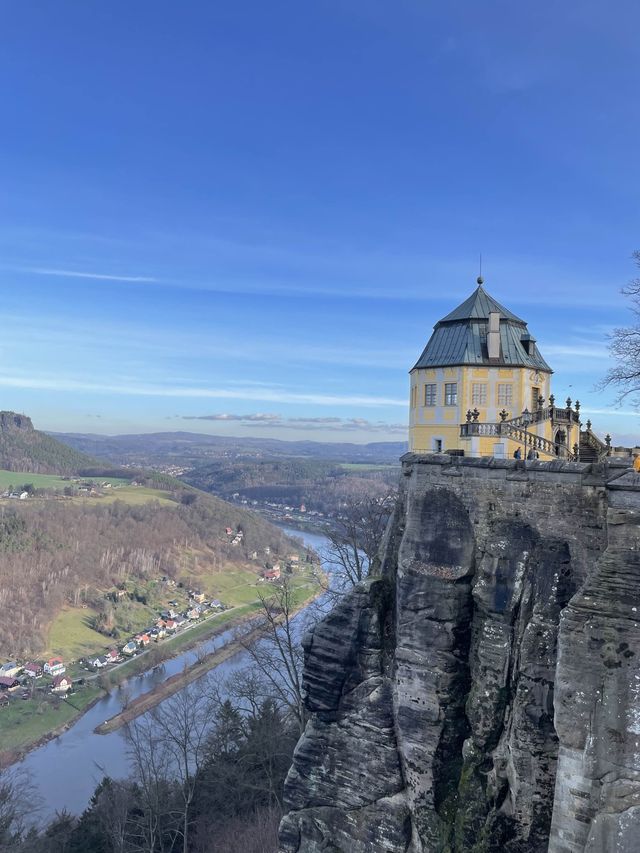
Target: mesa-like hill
x=23 y=448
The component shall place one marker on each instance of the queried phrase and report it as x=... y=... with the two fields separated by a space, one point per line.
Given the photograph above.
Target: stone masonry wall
x=481 y=693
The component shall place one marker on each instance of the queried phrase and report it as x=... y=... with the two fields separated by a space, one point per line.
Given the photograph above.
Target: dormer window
x=529 y=343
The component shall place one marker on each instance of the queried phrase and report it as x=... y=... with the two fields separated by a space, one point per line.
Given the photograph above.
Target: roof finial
x=480 y=280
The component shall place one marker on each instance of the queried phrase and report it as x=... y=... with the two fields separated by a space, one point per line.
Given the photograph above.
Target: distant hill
x=188 y=448
x=23 y=448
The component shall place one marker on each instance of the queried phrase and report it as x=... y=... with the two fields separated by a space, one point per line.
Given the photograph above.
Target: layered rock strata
x=481 y=692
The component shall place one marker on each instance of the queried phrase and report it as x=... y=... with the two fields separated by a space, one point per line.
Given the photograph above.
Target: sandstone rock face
x=481 y=693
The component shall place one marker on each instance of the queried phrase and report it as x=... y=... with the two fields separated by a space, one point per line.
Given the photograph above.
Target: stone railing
x=515 y=432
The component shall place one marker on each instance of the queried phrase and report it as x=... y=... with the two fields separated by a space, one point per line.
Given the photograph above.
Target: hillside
x=23 y=448
x=188 y=448
x=64 y=555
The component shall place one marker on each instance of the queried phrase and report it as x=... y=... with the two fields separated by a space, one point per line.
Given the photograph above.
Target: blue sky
x=259 y=210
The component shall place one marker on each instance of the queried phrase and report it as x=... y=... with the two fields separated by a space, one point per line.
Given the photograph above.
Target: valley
x=107 y=572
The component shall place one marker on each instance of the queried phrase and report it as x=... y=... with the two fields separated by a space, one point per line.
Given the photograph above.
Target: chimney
x=493 y=335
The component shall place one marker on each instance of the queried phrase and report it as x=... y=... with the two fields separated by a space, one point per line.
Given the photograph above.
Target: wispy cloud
x=333 y=424
x=585 y=349
x=265 y=394
x=91 y=275
x=613 y=412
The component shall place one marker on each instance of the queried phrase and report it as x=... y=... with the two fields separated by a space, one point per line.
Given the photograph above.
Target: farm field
x=133 y=495
x=72 y=637
x=121 y=490
x=48 y=481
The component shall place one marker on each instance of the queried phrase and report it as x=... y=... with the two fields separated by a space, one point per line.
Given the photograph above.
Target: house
x=198 y=596
x=168 y=614
x=228 y=531
x=194 y=613
x=61 y=684
x=113 y=656
x=10 y=669
x=180 y=621
x=9 y=683
x=130 y=648
x=54 y=666
x=97 y=662
x=272 y=574
x=143 y=639
x=170 y=625
x=216 y=604
x=33 y=670
x=24 y=496
x=294 y=558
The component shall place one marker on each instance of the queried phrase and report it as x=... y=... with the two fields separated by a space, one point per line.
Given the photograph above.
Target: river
x=67 y=769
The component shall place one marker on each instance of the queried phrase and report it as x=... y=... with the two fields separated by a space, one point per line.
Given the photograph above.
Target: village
x=56 y=679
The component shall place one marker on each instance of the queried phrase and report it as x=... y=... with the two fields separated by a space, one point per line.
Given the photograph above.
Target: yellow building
x=482 y=388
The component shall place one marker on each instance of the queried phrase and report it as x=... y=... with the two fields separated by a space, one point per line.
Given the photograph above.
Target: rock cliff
x=481 y=691
x=25 y=449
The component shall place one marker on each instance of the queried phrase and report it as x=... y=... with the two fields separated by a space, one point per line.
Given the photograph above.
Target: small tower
x=482 y=388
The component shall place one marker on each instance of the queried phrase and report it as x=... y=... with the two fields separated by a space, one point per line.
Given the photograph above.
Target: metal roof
x=478 y=307
x=461 y=338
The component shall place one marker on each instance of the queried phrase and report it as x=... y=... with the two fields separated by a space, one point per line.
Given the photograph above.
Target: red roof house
x=54 y=666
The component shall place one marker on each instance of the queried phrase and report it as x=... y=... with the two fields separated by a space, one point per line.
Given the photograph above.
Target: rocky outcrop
x=482 y=692
x=25 y=449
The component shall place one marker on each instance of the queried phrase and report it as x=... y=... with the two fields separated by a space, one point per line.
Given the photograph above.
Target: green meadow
x=50 y=481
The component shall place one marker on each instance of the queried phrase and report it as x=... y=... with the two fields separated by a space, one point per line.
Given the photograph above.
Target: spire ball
x=480 y=280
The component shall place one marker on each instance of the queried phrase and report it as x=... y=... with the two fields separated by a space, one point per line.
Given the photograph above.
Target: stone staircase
x=593 y=449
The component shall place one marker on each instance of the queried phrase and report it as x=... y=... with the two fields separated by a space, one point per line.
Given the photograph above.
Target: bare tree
x=18 y=802
x=153 y=819
x=355 y=539
x=625 y=348
x=184 y=722
x=276 y=653
x=113 y=802
x=170 y=743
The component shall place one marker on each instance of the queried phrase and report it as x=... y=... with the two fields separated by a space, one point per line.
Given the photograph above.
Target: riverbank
x=180 y=680
x=28 y=725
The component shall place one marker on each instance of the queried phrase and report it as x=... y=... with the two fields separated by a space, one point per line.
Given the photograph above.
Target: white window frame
x=451 y=397
x=431 y=396
x=479 y=394
x=504 y=393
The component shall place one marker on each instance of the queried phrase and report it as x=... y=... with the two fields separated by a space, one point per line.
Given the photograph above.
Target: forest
x=206 y=775
x=320 y=485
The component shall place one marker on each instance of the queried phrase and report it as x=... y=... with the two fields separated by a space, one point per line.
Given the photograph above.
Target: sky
x=245 y=218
